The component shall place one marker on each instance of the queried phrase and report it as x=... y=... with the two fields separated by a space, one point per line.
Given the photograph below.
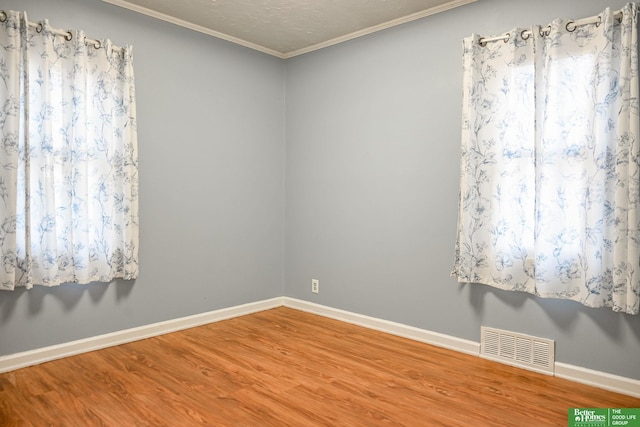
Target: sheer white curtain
x=68 y=158
x=550 y=169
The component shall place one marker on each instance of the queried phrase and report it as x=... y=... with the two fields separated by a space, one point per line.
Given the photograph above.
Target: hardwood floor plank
x=284 y=367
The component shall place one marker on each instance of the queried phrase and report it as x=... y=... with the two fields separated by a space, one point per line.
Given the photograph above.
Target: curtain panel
x=550 y=165
x=68 y=158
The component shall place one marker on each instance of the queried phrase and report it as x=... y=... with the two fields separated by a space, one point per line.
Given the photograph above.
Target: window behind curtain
x=550 y=169
x=68 y=159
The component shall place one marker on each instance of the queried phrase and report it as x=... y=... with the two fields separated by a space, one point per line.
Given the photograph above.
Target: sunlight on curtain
x=68 y=158
x=550 y=168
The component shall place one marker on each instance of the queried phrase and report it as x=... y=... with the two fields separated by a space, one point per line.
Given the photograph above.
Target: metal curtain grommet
x=39 y=27
x=599 y=22
x=3 y=16
x=69 y=36
x=506 y=38
x=571 y=27
x=523 y=33
x=97 y=44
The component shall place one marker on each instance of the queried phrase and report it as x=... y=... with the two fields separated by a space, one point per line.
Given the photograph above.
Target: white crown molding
x=379 y=27
x=163 y=17
x=286 y=55
x=574 y=373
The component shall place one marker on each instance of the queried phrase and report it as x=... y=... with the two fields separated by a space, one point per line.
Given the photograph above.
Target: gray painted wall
x=211 y=145
x=373 y=137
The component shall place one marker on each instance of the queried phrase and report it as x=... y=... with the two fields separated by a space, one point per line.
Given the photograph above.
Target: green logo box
x=604 y=417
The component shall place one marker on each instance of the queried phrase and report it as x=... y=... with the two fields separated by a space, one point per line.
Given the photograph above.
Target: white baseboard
x=598 y=379
x=393 y=328
x=578 y=374
x=40 y=355
x=15 y=361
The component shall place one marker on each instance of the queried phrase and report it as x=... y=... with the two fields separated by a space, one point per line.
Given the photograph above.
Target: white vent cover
x=525 y=351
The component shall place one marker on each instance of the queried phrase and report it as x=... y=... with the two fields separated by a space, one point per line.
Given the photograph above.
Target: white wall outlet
x=315 y=286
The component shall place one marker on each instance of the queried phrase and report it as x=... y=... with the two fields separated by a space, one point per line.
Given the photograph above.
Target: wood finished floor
x=284 y=367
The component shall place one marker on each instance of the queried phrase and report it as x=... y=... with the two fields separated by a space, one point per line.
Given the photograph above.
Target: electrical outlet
x=315 y=286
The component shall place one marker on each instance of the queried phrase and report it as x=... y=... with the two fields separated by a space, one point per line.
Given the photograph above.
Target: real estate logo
x=596 y=417
x=604 y=417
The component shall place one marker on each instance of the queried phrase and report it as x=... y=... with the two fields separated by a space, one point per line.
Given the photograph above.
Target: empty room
x=305 y=212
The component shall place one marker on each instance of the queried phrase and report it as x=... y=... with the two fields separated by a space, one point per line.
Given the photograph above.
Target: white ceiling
x=286 y=28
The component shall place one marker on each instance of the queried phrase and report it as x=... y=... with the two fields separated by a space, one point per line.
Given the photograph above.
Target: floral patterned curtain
x=68 y=158
x=550 y=169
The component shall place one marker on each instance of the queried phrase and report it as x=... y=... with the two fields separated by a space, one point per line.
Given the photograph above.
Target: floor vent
x=525 y=351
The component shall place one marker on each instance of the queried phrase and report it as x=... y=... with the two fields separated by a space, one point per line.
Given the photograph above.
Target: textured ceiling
x=286 y=28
